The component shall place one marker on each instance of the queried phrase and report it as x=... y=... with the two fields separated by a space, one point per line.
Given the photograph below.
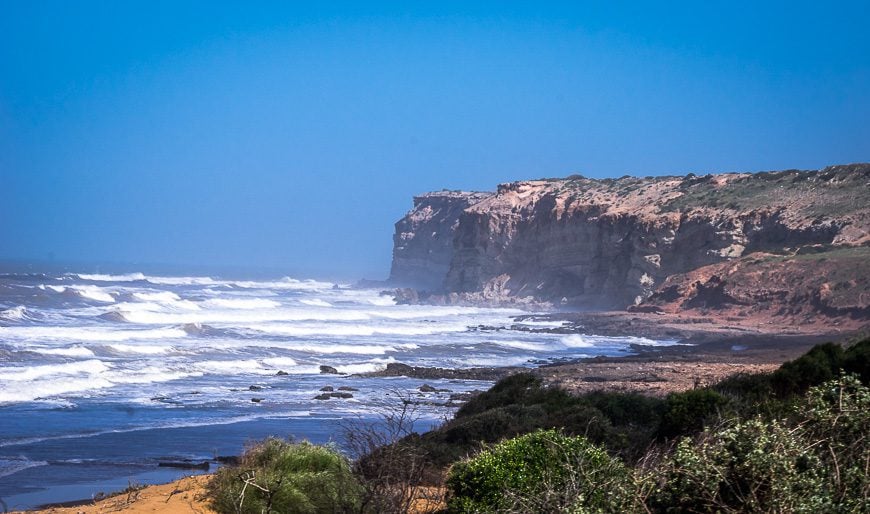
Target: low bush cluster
x=815 y=461
x=544 y=471
x=795 y=440
x=283 y=477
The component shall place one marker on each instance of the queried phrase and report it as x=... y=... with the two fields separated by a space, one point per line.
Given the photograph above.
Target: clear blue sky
x=293 y=136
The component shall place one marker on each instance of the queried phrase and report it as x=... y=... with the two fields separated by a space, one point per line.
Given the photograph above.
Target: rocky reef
x=653 y=243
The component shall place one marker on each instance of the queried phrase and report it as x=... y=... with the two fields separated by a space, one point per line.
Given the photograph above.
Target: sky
x=291 y=136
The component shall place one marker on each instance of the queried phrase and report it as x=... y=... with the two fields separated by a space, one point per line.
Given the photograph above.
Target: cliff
x=423 y=241
x=613 y=243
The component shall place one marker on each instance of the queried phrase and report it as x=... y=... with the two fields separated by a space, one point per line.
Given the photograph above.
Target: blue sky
x=292 y=136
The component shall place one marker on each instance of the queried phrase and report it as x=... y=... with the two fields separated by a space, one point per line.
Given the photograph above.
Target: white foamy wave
x=541 y=324
x=279 y=361
x=84 y=291
x=284 y=283
x=526 y=345
x=234 y=367
x=183 y=281
x=72 y=351
x=494 y=361
x=316 y=302
x=17 y=314
x=165 y=304
x=88 y=333
x=645 y=341
x=10 y=466
x=28 y=373
x=97 y=277
x=159 y=296
x=93 y=293
x=577 y=341
x=365 y=367
x=242 y=303
x=162 y=299
x=359 y=329
x=238 y=316
x=142 y=349
x=26 y=391
x=147 y=375
x=354 y=349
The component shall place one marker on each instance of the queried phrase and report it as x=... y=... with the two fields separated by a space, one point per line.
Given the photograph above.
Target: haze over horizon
x=293 y=137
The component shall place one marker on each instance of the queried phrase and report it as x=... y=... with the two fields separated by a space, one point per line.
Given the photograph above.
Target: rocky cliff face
x=612 y=243
x=423 y=241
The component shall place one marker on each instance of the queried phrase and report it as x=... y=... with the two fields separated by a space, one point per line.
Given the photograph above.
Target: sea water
x=103 y=377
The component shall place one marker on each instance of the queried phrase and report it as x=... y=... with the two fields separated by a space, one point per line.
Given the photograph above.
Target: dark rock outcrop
x=397 y=369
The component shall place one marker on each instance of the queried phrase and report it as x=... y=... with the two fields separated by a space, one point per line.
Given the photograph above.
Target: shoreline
x=703 y=354
x=182 y=496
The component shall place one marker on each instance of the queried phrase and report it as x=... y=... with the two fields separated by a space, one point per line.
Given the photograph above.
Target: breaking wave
x=97 y=277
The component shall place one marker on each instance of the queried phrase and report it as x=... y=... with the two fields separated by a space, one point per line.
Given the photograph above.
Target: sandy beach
x=185 y=496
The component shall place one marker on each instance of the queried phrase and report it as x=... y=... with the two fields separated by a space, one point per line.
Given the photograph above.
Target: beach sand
x=185 y=496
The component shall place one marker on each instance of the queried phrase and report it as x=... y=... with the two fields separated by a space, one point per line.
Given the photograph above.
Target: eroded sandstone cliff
x=423 y=241
x=613 y=243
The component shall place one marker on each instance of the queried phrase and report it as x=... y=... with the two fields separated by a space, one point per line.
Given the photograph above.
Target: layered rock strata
x=612 y=243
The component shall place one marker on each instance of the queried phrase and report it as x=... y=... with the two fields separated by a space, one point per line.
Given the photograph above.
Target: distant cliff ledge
x=738 y=240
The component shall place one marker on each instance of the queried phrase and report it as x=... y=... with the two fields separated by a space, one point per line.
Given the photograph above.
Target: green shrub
x=519 y=404
x=687 y=412
x=627 y=408
x=775 y=394
x=545 y=471
x=822 y=363
x=277 y=476
x=751 y=466
x=836 y=415
x=857 y=360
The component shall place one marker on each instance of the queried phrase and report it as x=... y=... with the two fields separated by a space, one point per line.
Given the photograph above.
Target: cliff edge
x=652 y=243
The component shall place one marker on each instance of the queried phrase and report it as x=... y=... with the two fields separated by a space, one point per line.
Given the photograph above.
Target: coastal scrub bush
x=743 y=466
x=389 y=462
x=822 y=363
x=521 y=403
x=277 y=476
x=775 y=394
x=544 y=471
x=687 y=412
x=857 y=360
x=837 y=416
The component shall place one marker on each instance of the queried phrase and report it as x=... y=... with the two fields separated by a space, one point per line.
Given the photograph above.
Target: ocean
x=104 y=377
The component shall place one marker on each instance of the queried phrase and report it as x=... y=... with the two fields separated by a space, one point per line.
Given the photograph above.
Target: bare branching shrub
x=388 y=462
x=743 y=466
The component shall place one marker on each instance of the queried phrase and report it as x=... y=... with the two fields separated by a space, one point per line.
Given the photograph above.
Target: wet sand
x=708 y=351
